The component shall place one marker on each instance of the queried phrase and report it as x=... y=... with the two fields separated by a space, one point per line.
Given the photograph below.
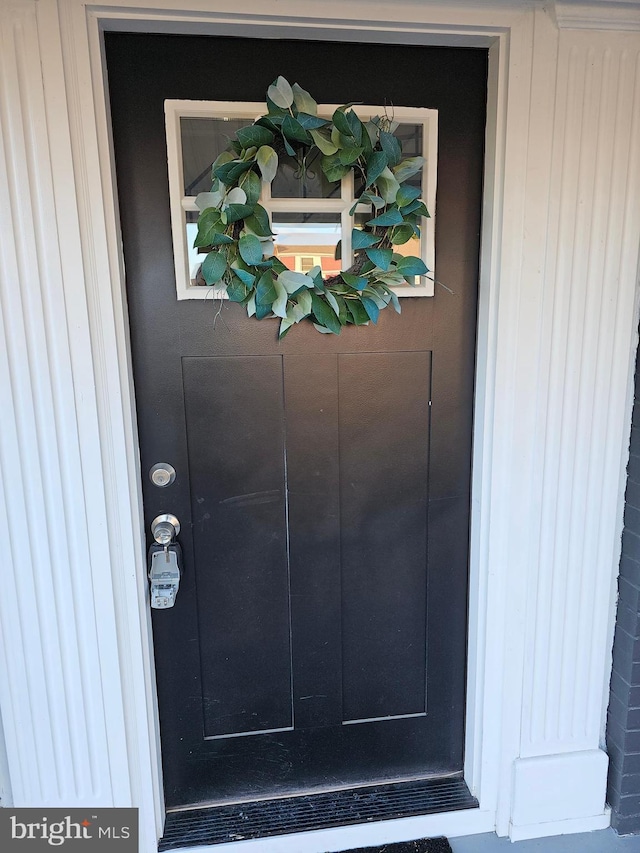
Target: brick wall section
x=623 y=720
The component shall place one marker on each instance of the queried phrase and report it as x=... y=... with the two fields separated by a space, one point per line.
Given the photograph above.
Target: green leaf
x=294 y=131
x=303 y=300
x=220 y=239
x=259 y=222
x=332 y=302
x=380 y=257
x=349 y=155
x=408 y=168
x=368 y=151
x=323 y=142
x=402 y=234
x=279 y=306
x=223 y=157
x=391 y=147
x=206 y=200
x=355 y=126
x=376 y=164
x=338 y=139
x=265 y=295
x=237 y=290
x=235 y=196
x=355 y=281
x=292 y=281
x=311 y=122
x=235 y=212
x=333 y=169
x=303 y=101
x=252 y=187
x=390 y=279
x=251 y=305
x=412 y=207
x=362 y=239
x=357 y=311
x=370 y=198
x=213 y=267
x=254 y=134
x=343 y=315
x=228 y=173
x=371 y=308
x=388 y=185
x=323 y=330
x=244 y=275
x=272 y=123
x=267 y=161
x=341 y=122
x=412 y=266
x=209 y=224
x=250 y=249
x=379 y=296
x=325 y=315
x=417 y=208
x=285 y=325
x=395 y=302
x=407 y=194
x=372 y=131
x=281 y=93
x=389 y=217
x=276 y=113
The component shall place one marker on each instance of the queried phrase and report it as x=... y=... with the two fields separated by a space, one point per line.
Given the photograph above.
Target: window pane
x=410 y=137
x=303 y=181
x=412 y=247
x=196 y=256
x=306 y=240
x=203 y=139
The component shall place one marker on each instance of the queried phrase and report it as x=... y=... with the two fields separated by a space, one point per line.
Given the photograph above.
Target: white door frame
x=535 y=380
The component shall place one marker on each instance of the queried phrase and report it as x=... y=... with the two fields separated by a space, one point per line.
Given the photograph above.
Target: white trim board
x=557 y=327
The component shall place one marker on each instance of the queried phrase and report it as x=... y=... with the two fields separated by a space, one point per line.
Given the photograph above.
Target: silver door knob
x=165 y=528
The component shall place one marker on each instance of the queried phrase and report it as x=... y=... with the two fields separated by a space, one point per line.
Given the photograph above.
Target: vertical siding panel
x=51 y=682
x=589 y=279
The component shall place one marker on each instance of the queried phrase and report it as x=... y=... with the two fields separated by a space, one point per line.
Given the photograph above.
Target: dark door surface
x=318 y=640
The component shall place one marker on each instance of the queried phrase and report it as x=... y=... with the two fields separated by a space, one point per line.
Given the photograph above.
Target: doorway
x=319 y=636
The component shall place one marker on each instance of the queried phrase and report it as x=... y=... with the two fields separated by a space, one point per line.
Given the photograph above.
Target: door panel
x=384 y=455
x=237 y=477
x=318 y=639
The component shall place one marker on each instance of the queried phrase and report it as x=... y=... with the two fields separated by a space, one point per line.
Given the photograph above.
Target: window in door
x=309 y=215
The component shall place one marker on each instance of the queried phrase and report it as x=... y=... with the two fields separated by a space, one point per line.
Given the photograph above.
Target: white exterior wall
x=557 y=337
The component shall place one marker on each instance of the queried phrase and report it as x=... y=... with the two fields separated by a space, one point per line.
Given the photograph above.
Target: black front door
x=318 y=639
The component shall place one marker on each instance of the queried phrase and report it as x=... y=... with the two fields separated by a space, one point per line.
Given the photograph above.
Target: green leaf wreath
x=236 y=229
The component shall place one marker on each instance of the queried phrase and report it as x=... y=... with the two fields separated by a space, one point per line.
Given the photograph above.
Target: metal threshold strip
x=244 y=821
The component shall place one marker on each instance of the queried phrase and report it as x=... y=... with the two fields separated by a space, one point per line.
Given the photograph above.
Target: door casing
x=122 y=475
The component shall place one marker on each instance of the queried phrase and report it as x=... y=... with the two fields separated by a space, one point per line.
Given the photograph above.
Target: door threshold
x=264 y=818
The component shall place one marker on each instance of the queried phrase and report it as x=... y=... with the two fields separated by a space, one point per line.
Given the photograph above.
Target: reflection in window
x=203 y=139
x=196 y=256
x=307 y=181
x=306 y=240
x=410 y=137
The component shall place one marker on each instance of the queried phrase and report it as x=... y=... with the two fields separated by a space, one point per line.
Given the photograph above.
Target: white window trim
x=175 y=109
